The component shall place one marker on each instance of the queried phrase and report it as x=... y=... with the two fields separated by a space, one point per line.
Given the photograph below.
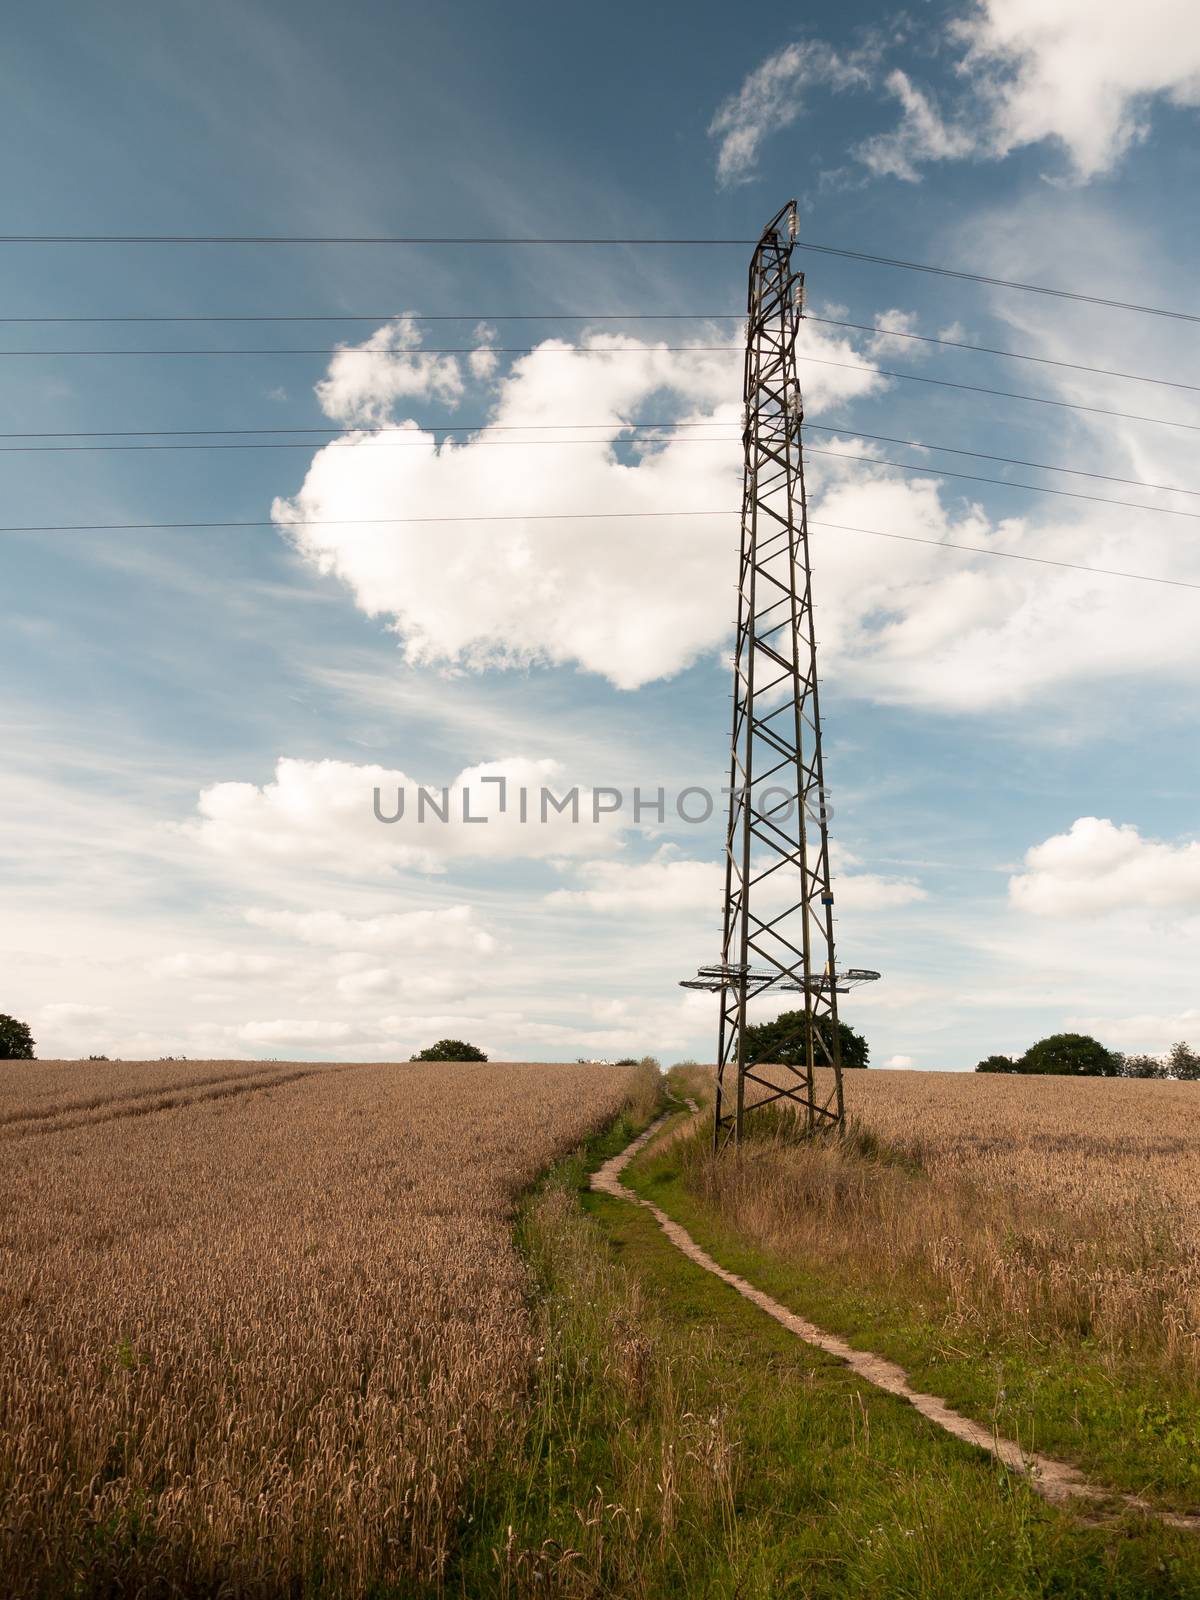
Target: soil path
x=1056 y=1481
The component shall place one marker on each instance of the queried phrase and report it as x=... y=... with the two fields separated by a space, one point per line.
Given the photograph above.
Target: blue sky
x=195 y=719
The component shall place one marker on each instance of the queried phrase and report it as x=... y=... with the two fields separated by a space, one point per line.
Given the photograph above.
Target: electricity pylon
x=778 y=886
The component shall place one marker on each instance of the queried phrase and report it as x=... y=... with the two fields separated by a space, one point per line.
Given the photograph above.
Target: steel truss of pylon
x=778 y=917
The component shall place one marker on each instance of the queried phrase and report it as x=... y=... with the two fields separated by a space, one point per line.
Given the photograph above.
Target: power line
x=997 y=283
x=1009 y=555
x=1004 y=394
x=385 y=317
x=992 y=350
x=581 y=516
x=929 y=469
x=441 y=316
x=1010 y=461
x=628 y=242
x=440 y=427
x=416 y=444
x=349 y=522
x=595 y=350
x=400 y=355
x=1003 y=483
x=659 y=435
x=342 y=239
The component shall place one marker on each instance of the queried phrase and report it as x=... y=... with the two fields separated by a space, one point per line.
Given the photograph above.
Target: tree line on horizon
x=784 y=1040
x=1078 y=1055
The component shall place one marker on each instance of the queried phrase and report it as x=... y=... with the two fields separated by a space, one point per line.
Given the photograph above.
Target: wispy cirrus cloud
x=771 y=98
x=921 y=136
x=219 y=964
x=1083 y=76
x=436 y=928
x=671 y=885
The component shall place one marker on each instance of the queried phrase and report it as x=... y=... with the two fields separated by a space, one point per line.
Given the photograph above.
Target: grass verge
x=677 y=1441
x=1127 y=1427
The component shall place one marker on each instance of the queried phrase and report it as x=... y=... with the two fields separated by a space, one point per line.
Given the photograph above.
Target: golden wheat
x=258 y=1321
x=1055 y=1205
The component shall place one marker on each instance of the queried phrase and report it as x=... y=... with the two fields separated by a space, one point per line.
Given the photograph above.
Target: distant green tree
x=16 y=1041
x=626 y=1061
x=449 y=1050
x=785 y=1040
x=1144 y=1067
x=997 y=1064
x=1183 y=1063
x=1073 y=1055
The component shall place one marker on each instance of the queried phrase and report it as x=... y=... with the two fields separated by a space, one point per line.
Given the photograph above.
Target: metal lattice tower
x=778 y=922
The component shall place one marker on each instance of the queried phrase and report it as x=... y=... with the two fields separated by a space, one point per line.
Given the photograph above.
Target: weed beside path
x=809 y=1223
x=680 y=1442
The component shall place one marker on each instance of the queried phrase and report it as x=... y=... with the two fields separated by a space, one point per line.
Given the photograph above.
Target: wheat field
x=260 y=1321
x=1064 y=1207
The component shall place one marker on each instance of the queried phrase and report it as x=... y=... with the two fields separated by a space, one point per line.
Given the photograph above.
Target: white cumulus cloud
x=592 y=556
x=908 y=624
x=323 y=813
x=365 y=380
x=889 y=341
x=1082 y=72
x=1098 y=867
x=483 y=360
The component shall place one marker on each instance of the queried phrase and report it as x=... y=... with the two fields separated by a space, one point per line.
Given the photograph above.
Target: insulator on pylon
x=798 y=295
x=793 y=223
x=795 y=402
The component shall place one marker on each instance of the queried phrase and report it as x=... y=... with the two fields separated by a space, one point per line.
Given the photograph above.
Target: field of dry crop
x=1064 y=1206
x=260 y=1321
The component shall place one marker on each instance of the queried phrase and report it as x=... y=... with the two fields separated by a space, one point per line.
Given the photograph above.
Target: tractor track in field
x=123 y=1107
x=1056 y=1481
